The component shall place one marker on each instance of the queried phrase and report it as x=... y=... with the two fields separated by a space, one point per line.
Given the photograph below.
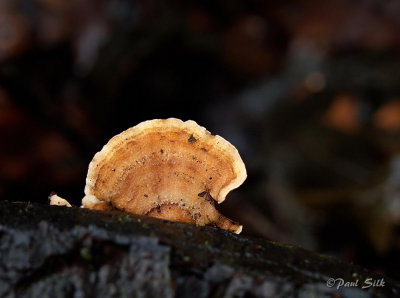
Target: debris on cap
x=166 y=168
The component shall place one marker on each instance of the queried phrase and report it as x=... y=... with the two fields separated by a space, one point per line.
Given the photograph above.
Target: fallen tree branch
x=49 y=251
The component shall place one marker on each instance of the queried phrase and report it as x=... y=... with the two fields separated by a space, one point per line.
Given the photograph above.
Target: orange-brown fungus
x=167 y=169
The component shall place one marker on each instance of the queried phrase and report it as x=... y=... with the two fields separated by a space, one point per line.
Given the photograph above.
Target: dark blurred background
x=308 y=91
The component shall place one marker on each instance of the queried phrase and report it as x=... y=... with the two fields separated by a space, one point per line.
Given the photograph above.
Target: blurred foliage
x=307 y=91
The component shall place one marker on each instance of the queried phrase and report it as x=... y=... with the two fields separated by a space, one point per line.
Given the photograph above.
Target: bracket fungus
x=166 y=168
x=58 y=201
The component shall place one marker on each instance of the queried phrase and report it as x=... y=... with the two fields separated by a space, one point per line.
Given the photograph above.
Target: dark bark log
x=48 y=251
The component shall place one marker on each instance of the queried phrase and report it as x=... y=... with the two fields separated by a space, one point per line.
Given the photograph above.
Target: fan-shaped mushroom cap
x=166 y=168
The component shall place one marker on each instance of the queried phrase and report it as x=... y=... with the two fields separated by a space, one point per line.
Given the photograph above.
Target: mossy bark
x=48 y=251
